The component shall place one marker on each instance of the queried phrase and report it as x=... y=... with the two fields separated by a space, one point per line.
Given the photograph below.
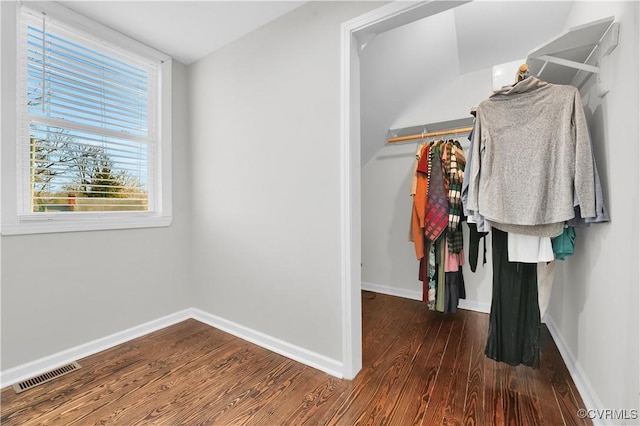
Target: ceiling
x=184 y=30
x=400 y=67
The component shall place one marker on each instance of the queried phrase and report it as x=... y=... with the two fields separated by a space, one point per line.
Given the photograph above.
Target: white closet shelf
x=572 y=56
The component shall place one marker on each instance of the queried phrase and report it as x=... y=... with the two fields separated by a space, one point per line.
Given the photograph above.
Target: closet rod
x=430 y=134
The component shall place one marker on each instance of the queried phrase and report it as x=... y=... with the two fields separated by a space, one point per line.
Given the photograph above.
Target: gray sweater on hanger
x=531 y=150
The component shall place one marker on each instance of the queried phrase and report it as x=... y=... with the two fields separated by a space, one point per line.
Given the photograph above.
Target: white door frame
x=355 y=34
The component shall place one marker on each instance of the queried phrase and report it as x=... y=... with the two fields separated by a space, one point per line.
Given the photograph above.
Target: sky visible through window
x=89 y=126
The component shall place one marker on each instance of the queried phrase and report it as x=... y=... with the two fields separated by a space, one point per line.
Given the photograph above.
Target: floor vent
x=45 y=377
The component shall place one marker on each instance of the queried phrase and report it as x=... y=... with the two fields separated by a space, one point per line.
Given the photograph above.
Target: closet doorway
x=438 y=64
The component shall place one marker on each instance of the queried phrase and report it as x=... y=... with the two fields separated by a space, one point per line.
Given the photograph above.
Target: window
x=89 y=131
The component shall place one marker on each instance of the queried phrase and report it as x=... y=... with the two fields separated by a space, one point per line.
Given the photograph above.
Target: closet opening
x=461 y=77
x=391 y=88
x=355 y=36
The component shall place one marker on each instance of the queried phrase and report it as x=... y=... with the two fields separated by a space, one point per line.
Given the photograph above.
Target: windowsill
x=93 y=223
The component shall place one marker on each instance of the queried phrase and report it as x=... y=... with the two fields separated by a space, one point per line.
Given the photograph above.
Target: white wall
x=392 y=63
x=444 y=102
x=594 y=303
x=66 y=289
x=265 y=121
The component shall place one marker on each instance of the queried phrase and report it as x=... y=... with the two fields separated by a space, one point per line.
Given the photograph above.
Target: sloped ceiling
x=493 y=32
x=419 y=73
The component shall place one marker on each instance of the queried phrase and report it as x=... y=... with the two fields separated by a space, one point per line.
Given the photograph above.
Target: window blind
x=88 y=121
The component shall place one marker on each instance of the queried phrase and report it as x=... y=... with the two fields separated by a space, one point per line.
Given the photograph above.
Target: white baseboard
x=392 y=291
x=297 y=353
x=588 y=394
x=474 y=305
x=25 y=371
x=48 y=363
x=470 y=305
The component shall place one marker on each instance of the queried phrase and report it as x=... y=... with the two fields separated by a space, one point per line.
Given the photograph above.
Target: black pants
x=514 y=321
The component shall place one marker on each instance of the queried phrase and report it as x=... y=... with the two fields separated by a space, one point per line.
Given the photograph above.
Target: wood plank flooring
x=419 y=368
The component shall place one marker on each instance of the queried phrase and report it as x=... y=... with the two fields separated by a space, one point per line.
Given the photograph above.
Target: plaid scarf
x=436 y=210
x=455 y=172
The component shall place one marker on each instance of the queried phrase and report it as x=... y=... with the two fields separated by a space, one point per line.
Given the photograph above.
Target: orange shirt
x=419 y=204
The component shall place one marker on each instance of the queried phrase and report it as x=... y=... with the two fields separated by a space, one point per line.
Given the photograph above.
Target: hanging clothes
x=437 y=215
x=454 y=280
x=454 y=167
x=514 y=319
x=563 y=245
x=536 y=159
x=531 y=173
x=545 y=281
x=602 y=215
x=529 y=249
x=474 y=246
x=419 y=188
x=472 y=216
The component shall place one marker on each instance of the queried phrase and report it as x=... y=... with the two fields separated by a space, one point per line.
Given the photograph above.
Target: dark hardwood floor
x=419 y=368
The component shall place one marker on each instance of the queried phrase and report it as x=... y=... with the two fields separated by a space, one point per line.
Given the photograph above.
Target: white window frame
x=160 y=213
